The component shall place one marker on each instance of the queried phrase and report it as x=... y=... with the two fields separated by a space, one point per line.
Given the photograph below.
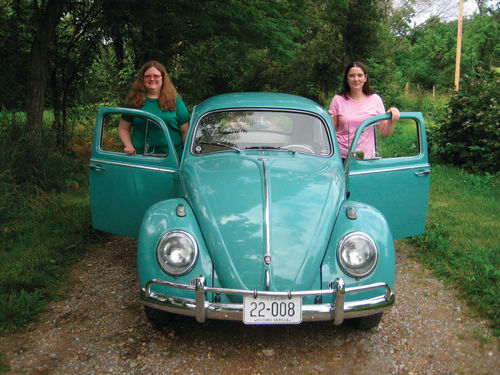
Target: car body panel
x=399 y=187
x=227 y=194
x=379 y=230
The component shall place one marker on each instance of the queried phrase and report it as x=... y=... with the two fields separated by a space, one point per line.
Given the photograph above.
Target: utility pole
x=459 y=44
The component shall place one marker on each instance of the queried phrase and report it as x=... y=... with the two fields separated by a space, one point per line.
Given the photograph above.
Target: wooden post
x=459 y=44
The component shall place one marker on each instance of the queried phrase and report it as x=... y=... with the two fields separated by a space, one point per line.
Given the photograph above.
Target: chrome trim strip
x=201 y=309
x=394 y=169
x=267 y=257
x=268 y=279
x=131 y=166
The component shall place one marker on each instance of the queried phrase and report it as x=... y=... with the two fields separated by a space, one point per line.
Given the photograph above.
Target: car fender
x=159 y=219
x=369 y=220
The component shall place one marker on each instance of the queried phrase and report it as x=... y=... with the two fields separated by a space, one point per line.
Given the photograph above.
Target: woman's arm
x=125 y=136
x=335 y=120
x=387 y=127
x=184 y=131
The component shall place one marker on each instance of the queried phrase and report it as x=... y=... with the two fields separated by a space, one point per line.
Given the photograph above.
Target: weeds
x=38 y=242
x=44 y=224
x=462 y=238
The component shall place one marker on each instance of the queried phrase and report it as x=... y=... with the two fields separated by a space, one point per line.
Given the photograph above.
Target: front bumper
x=202 y=309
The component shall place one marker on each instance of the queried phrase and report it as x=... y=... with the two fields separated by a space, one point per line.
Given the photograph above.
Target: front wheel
x=158 y=319
x=365 y=323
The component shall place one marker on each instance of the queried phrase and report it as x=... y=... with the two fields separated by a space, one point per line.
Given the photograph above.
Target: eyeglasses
x=154 y=76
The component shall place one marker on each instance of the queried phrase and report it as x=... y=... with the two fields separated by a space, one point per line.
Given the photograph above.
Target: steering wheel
x=303 y=147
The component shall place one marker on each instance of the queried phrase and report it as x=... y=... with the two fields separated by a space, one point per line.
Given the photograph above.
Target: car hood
x=228 y=195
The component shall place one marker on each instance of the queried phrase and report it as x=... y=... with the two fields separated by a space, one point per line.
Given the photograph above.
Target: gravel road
x=100 y=328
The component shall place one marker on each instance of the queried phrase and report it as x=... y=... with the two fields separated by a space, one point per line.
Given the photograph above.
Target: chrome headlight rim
x=347 y=268
x=172 y=270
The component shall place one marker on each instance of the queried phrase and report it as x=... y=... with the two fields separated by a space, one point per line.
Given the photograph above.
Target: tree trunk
x=46 y=19
x=57 y=101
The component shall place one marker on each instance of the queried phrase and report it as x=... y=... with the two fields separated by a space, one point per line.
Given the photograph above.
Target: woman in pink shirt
x=353 y=105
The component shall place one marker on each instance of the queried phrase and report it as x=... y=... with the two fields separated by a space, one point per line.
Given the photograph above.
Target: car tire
x=158 y=319
x=365 y=323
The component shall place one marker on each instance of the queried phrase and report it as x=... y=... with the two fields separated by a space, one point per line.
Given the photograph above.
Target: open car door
x=123 y=187
x=396 y=180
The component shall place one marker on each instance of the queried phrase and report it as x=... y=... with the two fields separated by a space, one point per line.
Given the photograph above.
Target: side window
x=147 y=136
x=404 y=141
x=110 y=141
x=155 y=143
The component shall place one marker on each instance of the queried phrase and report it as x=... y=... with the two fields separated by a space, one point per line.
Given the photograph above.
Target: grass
x=44 y=223
x=38 y=243
x=461 y=242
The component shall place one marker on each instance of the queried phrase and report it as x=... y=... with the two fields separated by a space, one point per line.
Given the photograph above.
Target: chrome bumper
x=202 y=309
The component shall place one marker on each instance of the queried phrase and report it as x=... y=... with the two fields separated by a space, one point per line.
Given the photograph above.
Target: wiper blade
x=221 y=144
x=269 y=148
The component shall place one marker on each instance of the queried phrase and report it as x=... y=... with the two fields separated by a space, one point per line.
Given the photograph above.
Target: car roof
x=259 y=100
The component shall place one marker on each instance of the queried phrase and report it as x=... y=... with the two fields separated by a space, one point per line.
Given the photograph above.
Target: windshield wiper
x=269 y=148
x=221 y=144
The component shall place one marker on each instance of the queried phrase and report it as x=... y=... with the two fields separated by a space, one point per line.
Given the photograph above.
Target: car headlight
x=177 y=252
x=357 y=254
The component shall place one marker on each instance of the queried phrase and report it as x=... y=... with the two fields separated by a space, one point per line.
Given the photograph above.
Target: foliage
x=430 y=57
x=14 y=49
x=469 y=135
x=360 y=29
x=244 y=40
x=46 y=168
x=481 y=44
x=462 y=238
x=45 y=222
x=297 y=46
x=77 y=34
x=426 y=56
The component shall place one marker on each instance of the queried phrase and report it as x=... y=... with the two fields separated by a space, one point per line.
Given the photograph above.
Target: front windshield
x=236 y=131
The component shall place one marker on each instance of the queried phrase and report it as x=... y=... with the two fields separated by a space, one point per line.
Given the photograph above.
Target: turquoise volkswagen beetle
x=261 y=221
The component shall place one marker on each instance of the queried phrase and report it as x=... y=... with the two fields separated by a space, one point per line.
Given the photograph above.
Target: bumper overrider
x=202 y=309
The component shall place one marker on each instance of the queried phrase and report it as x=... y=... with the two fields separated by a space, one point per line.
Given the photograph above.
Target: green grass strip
x=462 y=238
x=37 y=246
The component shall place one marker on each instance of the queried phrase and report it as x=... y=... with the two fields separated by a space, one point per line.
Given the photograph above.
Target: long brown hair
x=168 y=94
x=346 y=89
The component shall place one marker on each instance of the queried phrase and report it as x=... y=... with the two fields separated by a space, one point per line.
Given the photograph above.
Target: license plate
x=272 y=310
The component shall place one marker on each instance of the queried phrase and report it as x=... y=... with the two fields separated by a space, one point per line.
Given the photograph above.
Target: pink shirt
x=351 y=113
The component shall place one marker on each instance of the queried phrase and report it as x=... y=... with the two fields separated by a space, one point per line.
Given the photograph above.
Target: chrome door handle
x=97 y=168
x=421 y=173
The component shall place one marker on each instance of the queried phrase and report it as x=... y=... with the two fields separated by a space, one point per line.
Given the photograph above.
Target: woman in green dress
x=154 y=92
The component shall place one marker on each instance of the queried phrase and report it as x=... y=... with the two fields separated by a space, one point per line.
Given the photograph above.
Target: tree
x=429 y=59
x=221 y=46
x=481 y=42
x=15 y=36
x=71 y=55
x=360 y=29
x=45 y=16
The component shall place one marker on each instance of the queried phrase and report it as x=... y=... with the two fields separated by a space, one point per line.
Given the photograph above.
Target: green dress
x=157 y=143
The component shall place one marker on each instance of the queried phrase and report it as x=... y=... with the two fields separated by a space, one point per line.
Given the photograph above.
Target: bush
x=46 y=168
x=469 y=135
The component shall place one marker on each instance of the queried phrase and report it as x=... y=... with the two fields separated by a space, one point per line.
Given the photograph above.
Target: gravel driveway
x=100 y=328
